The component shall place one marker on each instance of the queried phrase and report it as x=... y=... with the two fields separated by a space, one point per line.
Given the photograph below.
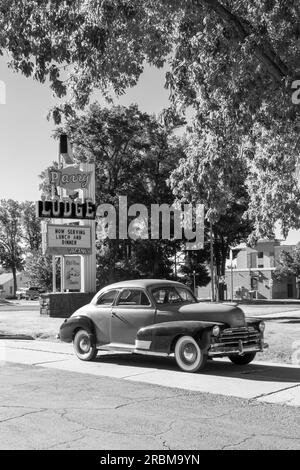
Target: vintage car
x=162 y=317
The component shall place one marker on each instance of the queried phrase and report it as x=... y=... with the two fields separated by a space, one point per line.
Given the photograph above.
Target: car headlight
x=216 y=330
x=261 y=326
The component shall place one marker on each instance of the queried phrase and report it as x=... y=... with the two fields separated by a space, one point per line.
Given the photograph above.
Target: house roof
x=6 y=277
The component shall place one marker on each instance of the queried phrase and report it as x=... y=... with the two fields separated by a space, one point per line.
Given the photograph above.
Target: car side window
x=186 y=295
x=107 y=298
x=166 y=295
x=133 y=297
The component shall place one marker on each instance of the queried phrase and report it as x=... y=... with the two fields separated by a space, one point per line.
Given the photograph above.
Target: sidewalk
x=259 y=381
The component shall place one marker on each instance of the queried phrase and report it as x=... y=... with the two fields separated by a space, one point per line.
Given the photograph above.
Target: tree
x=214 y=173
x=233 y=61
x=195 y=268
x=38 y=268
x=31 y=226
x=289 y=264
x=10 y=237
x=257 y=40
x=134 y=154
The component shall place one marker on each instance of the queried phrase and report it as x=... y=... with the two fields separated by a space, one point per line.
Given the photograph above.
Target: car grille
x=232 y=336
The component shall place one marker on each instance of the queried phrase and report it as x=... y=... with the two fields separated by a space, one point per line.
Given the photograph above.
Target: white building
x=7 y=283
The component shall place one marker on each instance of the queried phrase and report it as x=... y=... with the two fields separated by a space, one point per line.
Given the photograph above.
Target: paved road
x=249 y=309
x=51 y=400
x=262 y=382
x=46 y=408
x=20 y=306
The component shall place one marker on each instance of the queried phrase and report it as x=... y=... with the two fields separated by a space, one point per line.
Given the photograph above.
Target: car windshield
x=172 y=295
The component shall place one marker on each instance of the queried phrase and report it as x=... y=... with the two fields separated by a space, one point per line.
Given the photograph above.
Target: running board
x=129 y=348
x=117 y=347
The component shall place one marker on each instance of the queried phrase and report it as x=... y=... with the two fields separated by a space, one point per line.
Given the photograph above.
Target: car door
x=100 y=314
x=168 y=302
x=132 y=311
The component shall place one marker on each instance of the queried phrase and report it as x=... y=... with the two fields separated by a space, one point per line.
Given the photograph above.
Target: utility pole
x=212 y=264
x=194 y=276
x=231 y=275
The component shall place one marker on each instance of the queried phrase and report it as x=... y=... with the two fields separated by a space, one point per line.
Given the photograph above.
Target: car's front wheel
x=188 y=355
x=243 y=360
x=84 y=345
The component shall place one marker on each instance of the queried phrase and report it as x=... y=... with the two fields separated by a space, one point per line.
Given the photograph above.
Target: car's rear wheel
x=188 y=355
x=84 y=345
x=243 y=360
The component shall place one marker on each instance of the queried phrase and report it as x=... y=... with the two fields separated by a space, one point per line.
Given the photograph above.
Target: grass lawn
x=281 y=335
x=29 y=323
x=282 y=338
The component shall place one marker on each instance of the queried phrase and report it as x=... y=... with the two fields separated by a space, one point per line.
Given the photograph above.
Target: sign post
x=88 y=279
x=73 y=204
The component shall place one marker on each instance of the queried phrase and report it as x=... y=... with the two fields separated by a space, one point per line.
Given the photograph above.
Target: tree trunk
x=14 y=273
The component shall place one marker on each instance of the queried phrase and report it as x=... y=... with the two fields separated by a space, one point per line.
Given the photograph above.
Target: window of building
x=254 y=283
x=260 y=259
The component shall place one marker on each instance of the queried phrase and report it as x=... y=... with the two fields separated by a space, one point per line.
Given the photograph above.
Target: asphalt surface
x=51 y=409
x=51 y=400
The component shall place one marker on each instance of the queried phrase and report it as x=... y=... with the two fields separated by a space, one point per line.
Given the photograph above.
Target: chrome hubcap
x=84 y=344
x=189 y=353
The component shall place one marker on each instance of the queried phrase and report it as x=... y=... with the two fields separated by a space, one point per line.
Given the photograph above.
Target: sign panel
x=70 y=177
x=68 y=240
x=65 y=210
x=72 y=272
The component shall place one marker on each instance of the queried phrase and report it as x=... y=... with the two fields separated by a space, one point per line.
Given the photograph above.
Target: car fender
x=73 y=324
x=161 y=337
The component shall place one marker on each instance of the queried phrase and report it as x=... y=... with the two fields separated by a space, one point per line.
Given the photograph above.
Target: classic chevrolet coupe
x=162 y=317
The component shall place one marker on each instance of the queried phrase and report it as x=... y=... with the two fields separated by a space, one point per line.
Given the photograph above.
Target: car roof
x=143 y=283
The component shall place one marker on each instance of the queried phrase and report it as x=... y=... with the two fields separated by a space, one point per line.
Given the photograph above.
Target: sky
x=26 y=145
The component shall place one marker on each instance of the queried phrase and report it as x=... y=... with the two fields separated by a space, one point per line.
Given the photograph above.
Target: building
x=7 y=283
x=251 y=274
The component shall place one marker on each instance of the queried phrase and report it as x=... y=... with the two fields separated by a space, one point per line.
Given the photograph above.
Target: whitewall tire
x=84 y=346
x=188 y=355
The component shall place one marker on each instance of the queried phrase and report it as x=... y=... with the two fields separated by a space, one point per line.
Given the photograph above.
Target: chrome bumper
x=221 y=350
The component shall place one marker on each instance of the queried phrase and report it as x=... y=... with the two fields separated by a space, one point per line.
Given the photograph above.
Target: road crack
x=22 y=415
x=276 y=391
x=228 y=446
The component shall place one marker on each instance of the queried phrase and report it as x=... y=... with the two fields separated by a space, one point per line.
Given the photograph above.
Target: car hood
x=230 y=314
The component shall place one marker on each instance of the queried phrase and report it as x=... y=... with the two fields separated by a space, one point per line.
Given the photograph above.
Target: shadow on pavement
x=255 y=372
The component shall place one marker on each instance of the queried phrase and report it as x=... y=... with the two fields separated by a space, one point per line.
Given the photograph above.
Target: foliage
x=10 y=237
x=134 y=154
x=289 y=264
x=31 y=226
x=214 y=173
x=195 y=261
x=104 y=45
x=233 y=61
x=38 y=268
